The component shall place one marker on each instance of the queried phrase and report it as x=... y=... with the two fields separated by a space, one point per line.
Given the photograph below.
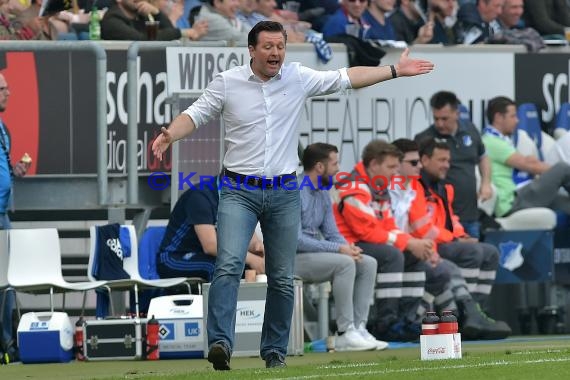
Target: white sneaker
x=352 y=340
x=380 y=344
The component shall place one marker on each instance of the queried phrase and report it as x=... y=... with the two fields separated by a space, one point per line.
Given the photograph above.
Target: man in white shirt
x=261 y=104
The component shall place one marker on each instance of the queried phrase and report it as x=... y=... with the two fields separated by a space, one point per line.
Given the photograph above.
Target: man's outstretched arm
x=363 y=76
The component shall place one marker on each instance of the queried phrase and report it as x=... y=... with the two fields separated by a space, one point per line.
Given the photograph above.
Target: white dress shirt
x=261 y=118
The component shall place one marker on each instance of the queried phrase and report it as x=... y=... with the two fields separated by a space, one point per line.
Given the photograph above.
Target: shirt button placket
x=267 y=105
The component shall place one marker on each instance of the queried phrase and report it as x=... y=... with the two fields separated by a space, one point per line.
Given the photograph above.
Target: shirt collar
x=490 y=130
x=254 y=78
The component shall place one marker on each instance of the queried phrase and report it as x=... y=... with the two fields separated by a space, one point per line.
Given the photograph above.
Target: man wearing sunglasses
x=411 y=215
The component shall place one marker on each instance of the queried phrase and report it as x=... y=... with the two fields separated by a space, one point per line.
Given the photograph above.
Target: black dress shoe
x=274 y=360
x=219 y=357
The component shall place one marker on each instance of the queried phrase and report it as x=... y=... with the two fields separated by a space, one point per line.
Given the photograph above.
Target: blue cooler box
x=45 y=337
x=181 y=328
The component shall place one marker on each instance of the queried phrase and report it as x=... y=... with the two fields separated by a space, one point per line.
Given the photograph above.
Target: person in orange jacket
x=478 y=261
x=410 y=212
x=362 y=213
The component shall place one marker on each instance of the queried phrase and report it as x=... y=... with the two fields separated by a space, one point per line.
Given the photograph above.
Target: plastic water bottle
x=430 y=323
x=94 y=25
x=152 y=338
x=447 y=323
x=78 y=337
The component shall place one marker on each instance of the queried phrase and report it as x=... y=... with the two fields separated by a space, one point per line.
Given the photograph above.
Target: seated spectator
x=315 y=12
x=68 y=19
x=295 y=29
x=55 y=6
x=446 y=29
x=183 y=22
x=247 y=13
x=511 y=15
x=409 y=24
x=362 y=212
x=223 y=24
x=324 y=255
x=21 y=24
x=189 y=246
x=379 y=25
x=173 y=9
x=541 y=191
x=479 y=22
x=411 y=214
x=125 y=20
x=547 y=16
x=66 y=25
x=512 y=29
x=347 y=19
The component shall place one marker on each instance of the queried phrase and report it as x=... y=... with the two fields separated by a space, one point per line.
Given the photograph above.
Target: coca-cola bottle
x=152 y=338
x=430 y=323
x=78 y=337
x=447 y=323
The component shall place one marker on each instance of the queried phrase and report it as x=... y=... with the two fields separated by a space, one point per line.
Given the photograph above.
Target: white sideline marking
x=414 y=369
x=536 y=352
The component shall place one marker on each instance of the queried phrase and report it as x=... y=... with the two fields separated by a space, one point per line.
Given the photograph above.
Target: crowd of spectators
x=386 y=22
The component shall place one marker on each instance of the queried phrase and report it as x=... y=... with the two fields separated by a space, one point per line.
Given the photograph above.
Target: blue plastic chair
x=563 y=118
x=529 y=122
x=148 y=248
x=464 y=114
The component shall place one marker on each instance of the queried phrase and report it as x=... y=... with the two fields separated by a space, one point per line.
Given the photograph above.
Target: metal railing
x=101 y=72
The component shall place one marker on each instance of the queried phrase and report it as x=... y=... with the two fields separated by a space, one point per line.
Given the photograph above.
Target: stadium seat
x=131 y=266
x=529 y=122
x=526 y=147
x=148 y=248
x=4 y=285
x=34 y=264
x=547 y=143
x=562 y=124
x=534 y=218
x=464 y=113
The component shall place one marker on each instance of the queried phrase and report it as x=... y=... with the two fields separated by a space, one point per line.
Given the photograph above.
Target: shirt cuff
x=195 y=118
x=345 y=80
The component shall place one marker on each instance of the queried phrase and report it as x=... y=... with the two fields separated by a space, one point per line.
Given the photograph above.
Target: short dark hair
x=498 y=104
x=315 y=153
x=443 y=98
x=406 y=145
x=264 y=26
x=379 y=149
x=429 y=144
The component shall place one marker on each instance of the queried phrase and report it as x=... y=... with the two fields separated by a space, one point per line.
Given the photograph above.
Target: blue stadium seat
x=148 y=248
x=562 y=124
x=464 y=113
x=530 y=123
